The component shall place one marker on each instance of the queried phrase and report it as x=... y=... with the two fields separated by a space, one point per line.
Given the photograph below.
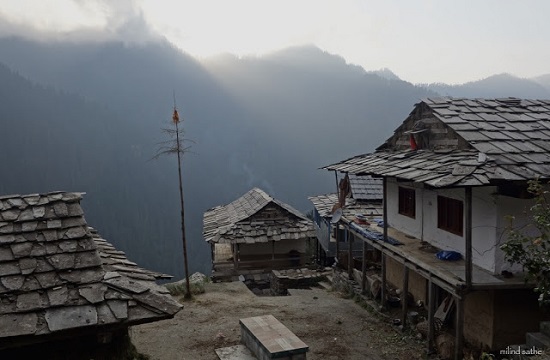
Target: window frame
x=450 y=215
x=406 y=203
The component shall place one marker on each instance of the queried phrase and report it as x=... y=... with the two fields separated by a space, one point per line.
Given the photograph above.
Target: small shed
x=66 y=293
x=256 y=231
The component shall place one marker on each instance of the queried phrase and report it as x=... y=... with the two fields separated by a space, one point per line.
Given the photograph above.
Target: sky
x=422 y=41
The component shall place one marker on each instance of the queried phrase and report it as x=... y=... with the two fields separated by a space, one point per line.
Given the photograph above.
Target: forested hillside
x=87 y=117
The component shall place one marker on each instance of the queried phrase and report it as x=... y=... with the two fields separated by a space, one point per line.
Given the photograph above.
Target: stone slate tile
x=10 y=268
x=58 y=296
x=61 y=209
x=18 y=324
x=48 y=280
x=6 y=254
x=119 y=308
x=70 y=317
x=87 y=259
x=20 y=250
x=75 y=233
x=38 y=250
x=10 y=215
x=105 y=315
x=30 y=301
x=39 y=211
x=93 y=293
x=27 y=265
x=83 y=276
x=6 y=228
x=62 y=261
x=31 y=199
x=12 y=283
x=140 y=312
x=125 y=284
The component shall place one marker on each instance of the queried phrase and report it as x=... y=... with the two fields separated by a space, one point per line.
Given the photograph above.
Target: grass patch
x=196 y=286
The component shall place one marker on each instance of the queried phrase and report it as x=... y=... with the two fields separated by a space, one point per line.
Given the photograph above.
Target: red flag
x=175 y=117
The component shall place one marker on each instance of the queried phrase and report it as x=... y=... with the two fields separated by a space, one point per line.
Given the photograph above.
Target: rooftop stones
x=57 y=273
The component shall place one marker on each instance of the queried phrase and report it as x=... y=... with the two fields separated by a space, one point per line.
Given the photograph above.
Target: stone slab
x=270 y=339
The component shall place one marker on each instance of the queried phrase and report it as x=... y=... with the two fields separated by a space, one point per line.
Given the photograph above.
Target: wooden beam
x=364 y=269
x=459 y=329
x=404 y=296
x=468 y=237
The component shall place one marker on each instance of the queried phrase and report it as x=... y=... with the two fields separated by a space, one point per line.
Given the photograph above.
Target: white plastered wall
x=519 y=210
x=424 y=225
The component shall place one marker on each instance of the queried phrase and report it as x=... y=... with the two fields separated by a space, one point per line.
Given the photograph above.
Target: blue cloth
x=373 y=235
x=448 y=255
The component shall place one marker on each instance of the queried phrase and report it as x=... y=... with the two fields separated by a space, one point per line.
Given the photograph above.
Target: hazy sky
x=422 y=41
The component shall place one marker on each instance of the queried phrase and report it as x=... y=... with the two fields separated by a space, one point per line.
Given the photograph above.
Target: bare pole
x=170 y=147
x=183 y=239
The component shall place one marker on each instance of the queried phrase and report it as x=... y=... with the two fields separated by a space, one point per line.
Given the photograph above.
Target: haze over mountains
x=87 y=117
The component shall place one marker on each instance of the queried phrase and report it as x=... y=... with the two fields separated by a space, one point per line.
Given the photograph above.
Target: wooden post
x=236 y=256
x=364 y=269
x=431 y=312
x=404 y=296
x=468 y=237
x=337 y=235
x=349 y=239
x=383 y=284
x=383 y=260
x=459 y=338
x=385 y=209
x=213 y=253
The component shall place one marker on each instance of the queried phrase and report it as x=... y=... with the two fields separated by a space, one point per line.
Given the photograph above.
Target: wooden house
x=364 y=199
x=66 y=293
x=256 y=231
x=452 y=172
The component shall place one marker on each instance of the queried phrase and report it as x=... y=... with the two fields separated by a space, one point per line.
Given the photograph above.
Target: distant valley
x=88 y=117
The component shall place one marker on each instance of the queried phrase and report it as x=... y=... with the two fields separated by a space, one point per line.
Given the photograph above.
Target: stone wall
x=282 y=280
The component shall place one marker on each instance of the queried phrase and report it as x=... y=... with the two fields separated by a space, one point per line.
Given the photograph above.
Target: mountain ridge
x=269 y=122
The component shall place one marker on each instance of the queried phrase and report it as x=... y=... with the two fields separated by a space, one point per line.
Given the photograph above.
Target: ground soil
x=334 y=328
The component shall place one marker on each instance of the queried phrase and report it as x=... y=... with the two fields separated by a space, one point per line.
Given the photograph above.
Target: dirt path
x=334 y=328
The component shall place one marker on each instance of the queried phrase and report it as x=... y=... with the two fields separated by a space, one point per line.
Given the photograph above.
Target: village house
x=66 y=293
x=452 y=173
x=365 y=197
x=256 y=232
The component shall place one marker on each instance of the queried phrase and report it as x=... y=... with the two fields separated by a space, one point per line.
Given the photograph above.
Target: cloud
x=76 y=20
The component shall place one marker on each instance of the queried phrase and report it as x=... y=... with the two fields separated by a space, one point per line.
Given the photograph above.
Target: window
x=407 y=202
x=450 y=215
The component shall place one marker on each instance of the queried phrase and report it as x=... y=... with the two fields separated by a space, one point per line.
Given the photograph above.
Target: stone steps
x=325 y=285
x=535 y=342
x=538 y=340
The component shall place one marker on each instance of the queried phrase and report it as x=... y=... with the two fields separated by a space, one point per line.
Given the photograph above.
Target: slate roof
x=366 y=188
x=324 y=203
x=506 y=140
x=255 y=217
x=57 y=274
